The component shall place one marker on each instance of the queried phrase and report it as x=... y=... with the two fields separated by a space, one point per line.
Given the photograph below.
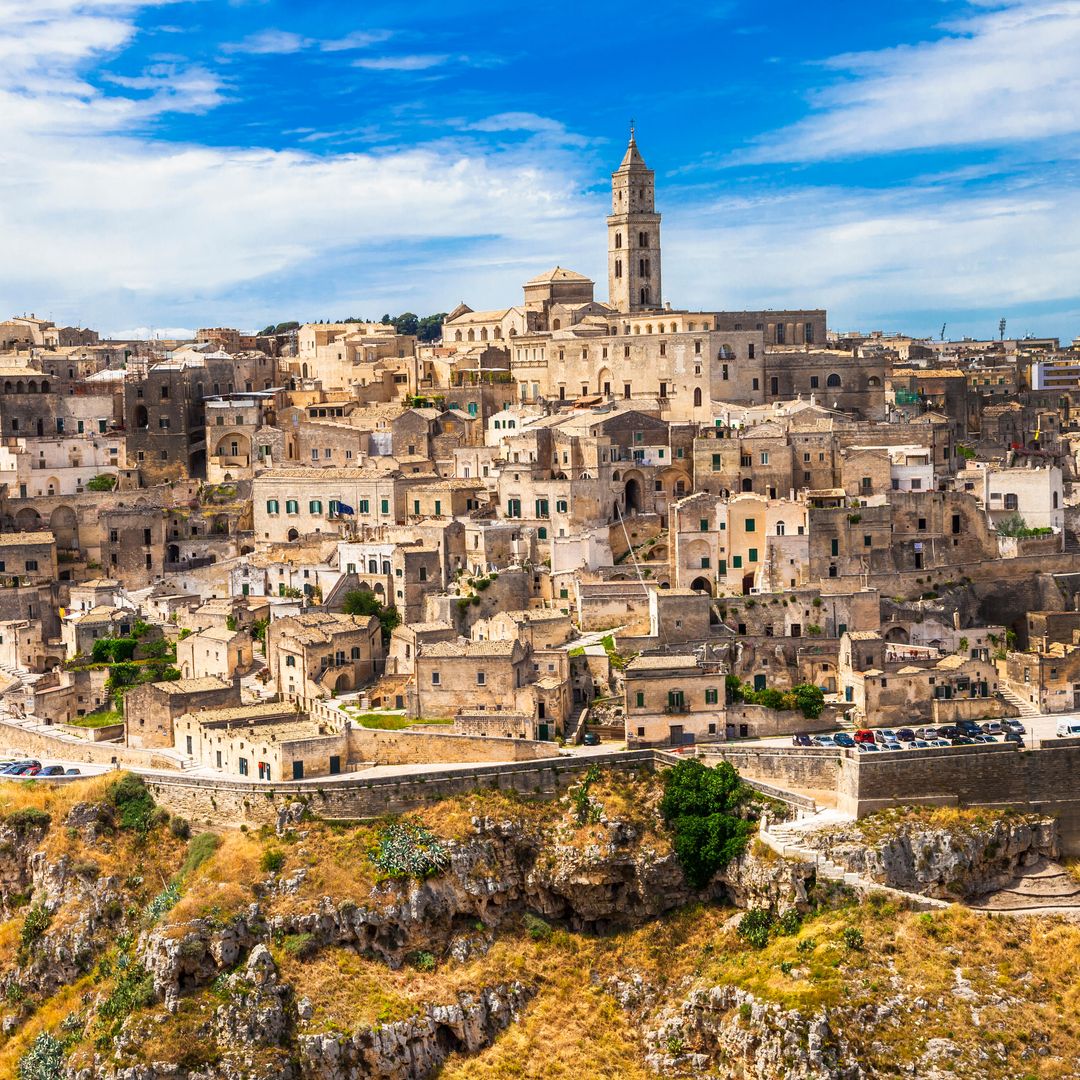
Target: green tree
x=101 y=482
x=810 y=699
x=699 y=807
x=406 y=323
x=430 y=327
x=365 y=602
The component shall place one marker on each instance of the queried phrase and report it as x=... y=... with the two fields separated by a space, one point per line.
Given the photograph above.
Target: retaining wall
x=22 y=742
x=231 y=803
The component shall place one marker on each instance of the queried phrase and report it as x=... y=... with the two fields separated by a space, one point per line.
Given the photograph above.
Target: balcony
x=677 y=709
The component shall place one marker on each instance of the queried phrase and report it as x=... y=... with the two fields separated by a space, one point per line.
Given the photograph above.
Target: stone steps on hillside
x=1027 y=709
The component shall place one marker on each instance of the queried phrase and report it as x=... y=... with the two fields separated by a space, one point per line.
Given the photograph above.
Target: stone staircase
x=1044 y=888
x=1027 y=710
x=784 y=838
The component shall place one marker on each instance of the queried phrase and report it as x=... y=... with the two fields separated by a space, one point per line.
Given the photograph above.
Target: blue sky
x=199 y=162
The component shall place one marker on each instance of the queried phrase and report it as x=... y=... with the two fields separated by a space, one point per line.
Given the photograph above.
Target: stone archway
x=27 y=519
x=64 y=524
x=701 y=584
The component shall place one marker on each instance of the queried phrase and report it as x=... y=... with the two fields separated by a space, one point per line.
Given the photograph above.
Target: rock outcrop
x=968 y=859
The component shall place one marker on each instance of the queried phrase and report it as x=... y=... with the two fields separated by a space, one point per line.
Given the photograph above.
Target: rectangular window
x=364 y=506
x=435 y=678
x=561 y=506
x=242 y=765
x=639 y=698
x=271 y=506
x=385 y=506
x=834 y=547
x=752 y=555
x=703 y=525
x=717 y=462
x=736 y=562
x=751 y=525
x=712 y=697
x=542 y=508
x=315 y=507
x=481 y=678
x=292 y=506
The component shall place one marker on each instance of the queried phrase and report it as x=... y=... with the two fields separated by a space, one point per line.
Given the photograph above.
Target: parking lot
x=1032 y=731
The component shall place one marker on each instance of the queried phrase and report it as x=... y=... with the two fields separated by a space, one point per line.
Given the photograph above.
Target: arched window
x=618 y=239
x=697 y=396
x=833 y=380
x=618 y=268
x=779 y=528
x=471 y=335
x=873 y=381
x=457 y=335
x=645 y=294
x=556 y=324
x=643 y=239
x=44 y=387
x=483 y=333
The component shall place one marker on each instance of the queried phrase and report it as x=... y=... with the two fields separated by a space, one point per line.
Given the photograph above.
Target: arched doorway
x=142 y=418
x=702 y=585
x=27 y=519
x=747 y=583
x=897 y=635
x=293 y=534
x=342 y=683
x=632 y=493
x=65 y=527
x=173 y=553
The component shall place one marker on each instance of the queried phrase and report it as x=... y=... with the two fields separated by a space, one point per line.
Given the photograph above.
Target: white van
x=1067 y=729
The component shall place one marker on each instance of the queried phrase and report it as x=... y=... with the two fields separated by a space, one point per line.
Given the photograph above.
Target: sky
x=169 y=164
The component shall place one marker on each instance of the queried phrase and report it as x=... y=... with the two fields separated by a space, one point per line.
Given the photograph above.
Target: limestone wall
x=227 y=803
x=430 y=747
x=812 y=767
x=17 y=740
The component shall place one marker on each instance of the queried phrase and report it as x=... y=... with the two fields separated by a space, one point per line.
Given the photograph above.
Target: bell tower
x=633 y=236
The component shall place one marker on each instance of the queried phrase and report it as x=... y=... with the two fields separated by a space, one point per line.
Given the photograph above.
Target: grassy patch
x=98 y=719
x=393 y=721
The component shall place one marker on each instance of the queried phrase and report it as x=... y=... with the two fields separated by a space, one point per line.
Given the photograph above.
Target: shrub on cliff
x=699 y=807
x=44 y=1060
x=133 y=801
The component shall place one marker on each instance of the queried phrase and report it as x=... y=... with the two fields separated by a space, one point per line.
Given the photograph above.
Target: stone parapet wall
x=435 y=747
x=20 y=740
x=226 y=803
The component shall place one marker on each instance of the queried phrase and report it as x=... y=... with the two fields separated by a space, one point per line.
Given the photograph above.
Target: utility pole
x=1001 y=330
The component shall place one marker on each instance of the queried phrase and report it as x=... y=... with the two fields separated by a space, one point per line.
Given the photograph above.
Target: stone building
x=673 y=700
x=320 y=654
x=457 y=676
x=151 y=709
x=216 y=651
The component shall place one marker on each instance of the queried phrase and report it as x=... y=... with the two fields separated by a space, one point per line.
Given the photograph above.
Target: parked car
x=846 y=741
x=52 y=770
x=893 y=745
x=1015 y=725
x=864 y=735
x=19 y=768
x=991 y=727
x=925 y=733
x=905 y=734
x=948 y=732
x=961 y=740
x=918 y=744
x=73 y=772
x=799 y=739
x=590 y=739
x=968 y=727
x=869 y=748
x=939 y=742
x=823 y=740
x=884 y=735
x=1015 y=737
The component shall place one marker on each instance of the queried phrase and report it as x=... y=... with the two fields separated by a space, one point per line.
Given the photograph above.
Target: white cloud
x=122 y=229
x=415 y=62
x=152 y=333
x=273 y=42
x=1002 y=76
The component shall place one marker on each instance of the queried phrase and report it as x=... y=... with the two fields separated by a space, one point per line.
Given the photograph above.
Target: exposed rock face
x=771 y=882
x=957 y=863
x=727 y=1028
x=414 y=1048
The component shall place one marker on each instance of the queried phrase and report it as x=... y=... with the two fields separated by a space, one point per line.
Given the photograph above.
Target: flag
x=344 y=508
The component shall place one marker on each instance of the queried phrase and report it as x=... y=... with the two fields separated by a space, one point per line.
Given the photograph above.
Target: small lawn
x=393 y=721
x=98 y=719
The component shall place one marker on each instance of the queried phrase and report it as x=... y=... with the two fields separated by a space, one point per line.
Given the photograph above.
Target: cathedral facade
x=563 y=344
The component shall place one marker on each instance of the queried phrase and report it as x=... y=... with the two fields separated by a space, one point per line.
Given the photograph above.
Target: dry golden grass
x=47 y=1017
x=221 y=887
x=55 y=799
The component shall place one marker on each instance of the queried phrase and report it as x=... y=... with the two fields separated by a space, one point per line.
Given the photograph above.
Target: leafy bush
x=113 y=650
x=34 y=926
x=199 y=850
x=27 y=818
x=297 y=944
x=134 y=802
x=180 y=828
x=44 y=1060
x=754 y=927
x=406 y=850
x=810 y=699
x=165 y=901
x=422 y=960
x=698 y=805
x=535 y=927
x=101 y=482
x=133 y=990
x=273 y=859
x=852 y=937
x=365 y=602
x=789 y=923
